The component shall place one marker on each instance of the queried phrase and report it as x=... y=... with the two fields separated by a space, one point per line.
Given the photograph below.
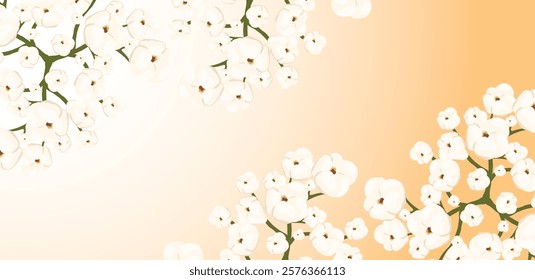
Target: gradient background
x=163 y=164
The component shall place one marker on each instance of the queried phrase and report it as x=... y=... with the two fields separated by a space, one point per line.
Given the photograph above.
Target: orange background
x=162 y=165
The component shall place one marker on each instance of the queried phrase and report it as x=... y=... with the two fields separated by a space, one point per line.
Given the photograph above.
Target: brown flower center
x=250 y=61
x=45 y=10
x=333 y=170
x=106 y=28
x=381 y=200
x=201 y=89
x=284 y=198
x=49 y=125
x=153 y=58
x=486 y=134
x=428 y=230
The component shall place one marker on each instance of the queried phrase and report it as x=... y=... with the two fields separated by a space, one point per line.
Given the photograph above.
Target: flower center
x=428 y=230
x=86 y=114
x=286 y=50
x=106 y=28
x=8 y=88
x=533 y=106
x=38 y=161
x=49 y=125
x=1 y=154
x=381 y=200
x=45 y=10
x=497 y=98
x=209 y=24
x=247 y=209
x=486 y=134
x=527 y=171
x=392 y=237
x=296 y=162
x=284 y=198
x=326 y=235
x=294 y=19
x=250 y=61
x=142 y=22
x=333 y=170
x=489 y=249
x=240 y=240
x=93 y=83
x=153 y=58
x=449 y=145
x=201 y=89
x=238 y=97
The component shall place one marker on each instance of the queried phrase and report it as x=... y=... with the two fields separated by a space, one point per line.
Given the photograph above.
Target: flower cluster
x=46 y=105
x=247 y=49
x=489 y=138
x=287 y=200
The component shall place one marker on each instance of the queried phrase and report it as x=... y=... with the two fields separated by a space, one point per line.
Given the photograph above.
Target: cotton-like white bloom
x=246 y=57
x=183 y=251
x=430 y=195
x=421 y=153
x=307 y=5
x=347 y=252
x=315 y=216
x=139 y=23
x=432 y=224
x=298 y=235
x=334 y=175
x=478 y=180
x=315 y=42
x=283 y=48
x=417 y=248
x=23 y=10
x=20 y=106
x=516 y=152
x=356 y=9
x=451 y=146
x=499 y=170
x=261 y=80
x=62 y=143
x=287 y=203
x=511 y=121
x=499 y=100
x=287 y=77
x=89 y=83
x=274 y=180
x=356 y=229
x=503 y=226
x=291 y=21
x=180 y=27
x=257 y=16
x=186 y=9
x=525 y=111
x=228 y=255
x=326 y=239
x=220 y=217
x=525 y=233
x=82 y=113
x=116 y=9
x=243 y=239
x=392 y=235
x=222 y=41
x=384 y=198
x=11 y=86
x=454 y=201
x=486 y=246
x=109 y=106
x=310 y=185
x=28 y=56
x=48 y=120
x=444 y=174
x=150 y=55
x=32 y=33
x=277 y=244
x=523 y=173
x=237 y=95
x=62 y=44
x=511 y=249
x=448 y=119
x=458 y=250
x=204 y=85
x=37 y=157
x=103 y=33
x=56 y=79
x=10 y=151
x=88 y=138
x=404 y=214
x=474 y=115
x=472 y=215
x=298 y=164
x=212 y=19
x=488 y=139
x=48 y=13
x=247 y=183
x=506 y=203
x=250 y=211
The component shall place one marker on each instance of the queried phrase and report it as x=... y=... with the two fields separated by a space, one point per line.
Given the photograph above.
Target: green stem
x=10 y=52
x=515 y=131
x=222 y=63
x=289 y=239
x=522 y=208
x=60 y=96
x=244 y=19
x=22 y=127
x=4 y=4
x=414 y=208
x=248 y=258
x=457 y=233
x=89 y=8
x=530 y=256
x=474 y=163
x=311 y=196
x=273 y=227
x=261 y=32
x=121 y=52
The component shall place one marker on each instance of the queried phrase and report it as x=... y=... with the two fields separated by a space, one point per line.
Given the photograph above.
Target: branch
x=474 y=163
x=121 y=52
x=515 y=131
x=273 y=227
x=22 y=127
x=414 y=208
x=311 y=196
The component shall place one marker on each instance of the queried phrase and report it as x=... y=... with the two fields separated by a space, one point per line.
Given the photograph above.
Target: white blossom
x=183 y=251
x=334 y=175
x=243 y=239
x=421 y=153
x=448 y=119
x=478 y=180
x=220 y=217
x=392 y=235
x=525 y=111
x=523 y=173
x=326 y=239
x=356 y=229
x=277 y=244
x=472 y=215
x=384 y=198
x=499 y=100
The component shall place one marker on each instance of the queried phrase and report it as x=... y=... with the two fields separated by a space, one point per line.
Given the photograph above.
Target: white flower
x=103 y=34
x=116 y=9
x=77 y=18
x=315 y=43
x=205 y=86
x=139 y=23
x=56 y=79
x=384 y=198
x=287 y=77
x=506 y=203
x=525 y=233
x=277 y=244
x=478 y=180
x=356 y=9
x=457 y=241
x=417 y=247
x=523 y=173
x=247 y=183
x=488 y=139
x=444 y=174
x=213 y=20
x=222 y=41
x=503 y=226
x=474 y=115
x=29 y=56
x=511 y=249
x=472 y=215
x=448 y=119
x=48 y=13
x=432 y=224
x=310 y=185
x=516 y=152
x=421 y=153
x=228 y=255
x=246 y=57
x=525 y=110
x=500 y=171
x=404 y=214
x=37 y=157
x=291 y=21
x=237 y=95
x=499 y=100
x=10 y=151
x=298 y=235
x=62 y=44
x=80 y=58
x=220 y=217
x=23 y=10
x=32 y=33
x=250 y=211
x=257 y=16
x=430 y=195
x=274 y=180
x=11 y=86
x=48 y=120
x=82 y=113
x=20 y=106
x=346 y=252
x=89 y=83
x=62 y=143
x=315 y=216
x=454 y=201
x=334 y=175
x=109 y=106
x=451 y=146
x=511 y=121
x=180 y=27
x=88 y=138
x=458 y=250
x=150 y=55
x=243 y=239
x=307 y=5
x=298 y=164
x=288 y=203
x=182 y=251
x=392 y=235
x=486 y=246
x=326 y=239
x=356 y=229
x=284 y=49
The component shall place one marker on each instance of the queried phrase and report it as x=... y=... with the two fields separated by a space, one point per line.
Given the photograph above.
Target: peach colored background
x=162 y=165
